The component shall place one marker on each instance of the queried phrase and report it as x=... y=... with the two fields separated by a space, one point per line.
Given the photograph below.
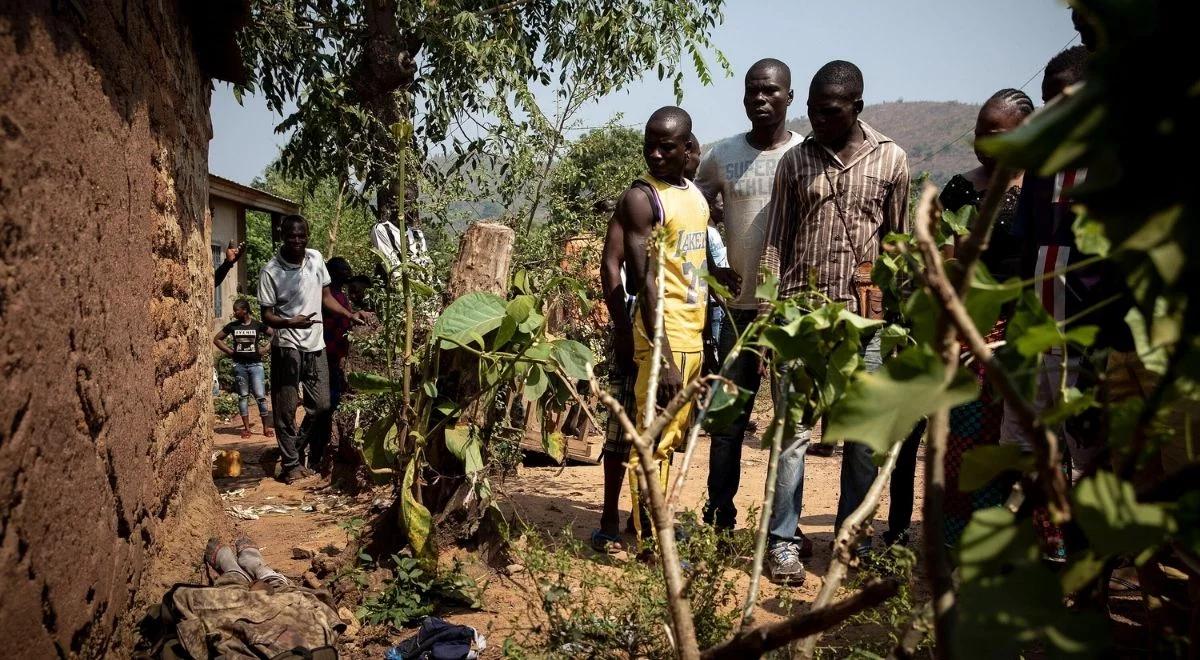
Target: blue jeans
x=249 y=379
x=858 y=471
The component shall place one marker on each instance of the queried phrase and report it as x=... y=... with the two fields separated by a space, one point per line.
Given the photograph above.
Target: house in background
x=228 y=202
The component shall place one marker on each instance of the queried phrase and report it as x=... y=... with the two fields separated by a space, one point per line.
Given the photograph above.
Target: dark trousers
x=859 y=470
x=725 y=451
x=294 y=372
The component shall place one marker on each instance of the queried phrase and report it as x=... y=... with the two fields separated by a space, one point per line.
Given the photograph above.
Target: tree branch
x=501 y=8
x=764 y=519
x=755 y=642
x=664 y=529
x=853 y=528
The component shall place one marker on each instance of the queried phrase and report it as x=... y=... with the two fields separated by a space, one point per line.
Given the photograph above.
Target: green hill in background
x=931 y=132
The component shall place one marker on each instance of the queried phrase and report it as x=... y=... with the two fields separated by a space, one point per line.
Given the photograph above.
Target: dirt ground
x=547 y=499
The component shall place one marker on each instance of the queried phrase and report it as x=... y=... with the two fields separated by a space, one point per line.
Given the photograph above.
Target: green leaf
x=572 y=358
x=959 y=222
x=891 y=337
x=768 y=289
x=1038 y=339
x=373 y=383
x=1114 y=521
x=1153 y=357
x=507 y=330
x=532 y=324
x=416 y=518
x=378 y=443
x=519 y=308
x=555 y=446
x=715 y=286
x=1082 y=570
x=880 y=409
x=419 y=288
x=860 y=323
x=536 y=383
x=983 y=463
x=921 y=313
x=469 y=318
x=463 y=442
x=727 y=403
x=993 y=540
x=1083 y=335
x=987 y=298
x=429 y=387
x=1074 y=402
x=1090 y=236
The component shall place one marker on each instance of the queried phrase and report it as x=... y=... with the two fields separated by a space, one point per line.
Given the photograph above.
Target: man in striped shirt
x=836 y=195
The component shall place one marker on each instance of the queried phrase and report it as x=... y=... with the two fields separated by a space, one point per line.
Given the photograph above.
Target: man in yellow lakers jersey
x=664 y=198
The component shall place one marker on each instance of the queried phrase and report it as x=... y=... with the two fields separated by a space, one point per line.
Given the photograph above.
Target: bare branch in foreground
x=853 y=528
x=764 y=517
x=757 y=641
x=664 y=529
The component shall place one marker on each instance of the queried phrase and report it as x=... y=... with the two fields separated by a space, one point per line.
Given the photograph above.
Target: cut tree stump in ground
x=484 y=259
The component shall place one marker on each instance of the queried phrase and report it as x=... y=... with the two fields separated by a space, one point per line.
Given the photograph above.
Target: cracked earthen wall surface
x=105 y=305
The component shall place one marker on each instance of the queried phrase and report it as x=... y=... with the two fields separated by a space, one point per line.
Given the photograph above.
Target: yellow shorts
x=676 y=430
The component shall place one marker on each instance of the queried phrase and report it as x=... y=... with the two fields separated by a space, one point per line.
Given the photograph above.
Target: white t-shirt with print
x=296 y=289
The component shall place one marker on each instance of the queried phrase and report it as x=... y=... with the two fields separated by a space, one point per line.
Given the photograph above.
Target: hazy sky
x=929 y=50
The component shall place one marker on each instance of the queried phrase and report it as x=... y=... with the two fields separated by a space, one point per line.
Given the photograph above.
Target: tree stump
x=484 y=259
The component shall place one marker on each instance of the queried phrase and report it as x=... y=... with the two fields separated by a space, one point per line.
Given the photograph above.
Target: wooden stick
x=937 y=560
x=664 y=529
x=853 y=528
x=764 y=520
x=755 y=642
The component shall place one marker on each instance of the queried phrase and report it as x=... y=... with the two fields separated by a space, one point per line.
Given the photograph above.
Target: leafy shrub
x=225 y=406
x=415 y=592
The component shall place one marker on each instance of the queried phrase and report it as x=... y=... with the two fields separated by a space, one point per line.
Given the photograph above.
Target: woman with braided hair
x=977 y=423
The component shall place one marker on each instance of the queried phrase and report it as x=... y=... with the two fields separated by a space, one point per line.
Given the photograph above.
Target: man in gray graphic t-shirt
x=741 y=172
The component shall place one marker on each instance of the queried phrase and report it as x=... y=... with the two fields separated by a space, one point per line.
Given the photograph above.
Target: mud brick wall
x=105 y=305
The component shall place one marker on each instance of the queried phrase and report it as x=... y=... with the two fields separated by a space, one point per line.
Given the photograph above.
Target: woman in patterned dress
x=977 y=423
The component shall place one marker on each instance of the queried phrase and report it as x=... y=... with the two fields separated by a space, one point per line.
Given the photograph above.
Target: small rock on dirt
x=301 y=552
x=311 y=581
x=513 y=569
x=351 y=621
x=334 y=548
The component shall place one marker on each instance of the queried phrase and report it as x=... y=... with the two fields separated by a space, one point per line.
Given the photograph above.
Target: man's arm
x=728 y=277
x=232 y=254
x=331 y=304
x=637 y=222
x=266 y=347
x=781 y=228
x=219 y=342
x=611 y=259
x=276 y=320
x=896 y=207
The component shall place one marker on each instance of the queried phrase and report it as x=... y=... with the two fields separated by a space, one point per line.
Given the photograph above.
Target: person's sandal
x=606 y=543
x=268 y=432
x=245 y=433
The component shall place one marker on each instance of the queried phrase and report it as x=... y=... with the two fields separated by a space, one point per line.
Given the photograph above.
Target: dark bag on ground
x=439 y=639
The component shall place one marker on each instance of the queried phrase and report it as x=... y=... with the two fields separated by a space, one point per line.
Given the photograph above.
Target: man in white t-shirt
x=293 y=290
x=739 y=172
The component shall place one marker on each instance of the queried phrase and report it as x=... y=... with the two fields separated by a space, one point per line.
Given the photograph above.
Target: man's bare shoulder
x=634 y=209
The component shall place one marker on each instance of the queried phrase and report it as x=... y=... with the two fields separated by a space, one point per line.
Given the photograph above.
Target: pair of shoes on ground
x=243 y=559
x=784 y=565
x=294 y=474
